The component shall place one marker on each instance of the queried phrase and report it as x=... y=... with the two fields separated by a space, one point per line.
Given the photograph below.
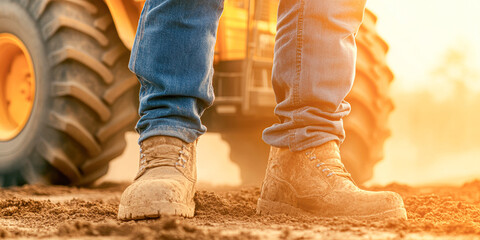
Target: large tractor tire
x=66 y=94
x=366 y=127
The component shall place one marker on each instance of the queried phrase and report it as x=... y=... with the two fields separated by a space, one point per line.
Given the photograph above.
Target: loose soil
x=229 y=213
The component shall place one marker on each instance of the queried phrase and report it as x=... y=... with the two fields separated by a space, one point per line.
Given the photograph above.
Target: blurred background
x=435 y=56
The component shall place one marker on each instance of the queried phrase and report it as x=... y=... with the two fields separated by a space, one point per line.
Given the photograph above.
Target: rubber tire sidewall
x=16 y=20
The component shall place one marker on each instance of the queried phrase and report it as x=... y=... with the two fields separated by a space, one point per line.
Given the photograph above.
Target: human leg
x=314 y=66
x=172 y=57
x=313 y=71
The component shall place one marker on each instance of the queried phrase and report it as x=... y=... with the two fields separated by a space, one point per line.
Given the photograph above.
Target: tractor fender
x=125 y=15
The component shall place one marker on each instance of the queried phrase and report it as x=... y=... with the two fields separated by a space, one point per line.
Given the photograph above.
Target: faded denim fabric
x=314 y=67
x=313 y=71
x=172 y=57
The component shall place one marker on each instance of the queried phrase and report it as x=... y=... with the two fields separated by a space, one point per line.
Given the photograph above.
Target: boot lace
x=331 y=166
x=163 y=156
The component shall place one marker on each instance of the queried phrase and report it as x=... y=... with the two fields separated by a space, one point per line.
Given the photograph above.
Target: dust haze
x=435 y=130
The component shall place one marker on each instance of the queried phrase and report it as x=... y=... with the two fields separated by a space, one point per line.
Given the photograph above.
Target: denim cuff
x=296 y=140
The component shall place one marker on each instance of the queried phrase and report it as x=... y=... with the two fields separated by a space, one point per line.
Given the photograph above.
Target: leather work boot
x=165 y=183
x=315 y=182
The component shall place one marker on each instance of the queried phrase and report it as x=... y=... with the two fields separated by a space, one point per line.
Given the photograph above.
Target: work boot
x=315 y=182
x=165 y=183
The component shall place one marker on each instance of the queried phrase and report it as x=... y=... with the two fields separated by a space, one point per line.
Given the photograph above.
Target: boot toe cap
x=386 y=205
x=143 y=192
x=153 y=198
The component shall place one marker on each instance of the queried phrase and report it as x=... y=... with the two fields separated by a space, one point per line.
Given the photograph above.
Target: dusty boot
x=165 y=183
x=314 y=181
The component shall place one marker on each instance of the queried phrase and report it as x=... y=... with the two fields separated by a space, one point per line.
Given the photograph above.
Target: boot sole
x=266 y=207
x=155 y=209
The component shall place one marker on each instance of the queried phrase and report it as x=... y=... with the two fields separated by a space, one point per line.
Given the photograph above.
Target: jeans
x=313 y=70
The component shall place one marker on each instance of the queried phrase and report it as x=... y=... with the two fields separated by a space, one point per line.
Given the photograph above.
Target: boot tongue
x=162 y=151
x=152 y=142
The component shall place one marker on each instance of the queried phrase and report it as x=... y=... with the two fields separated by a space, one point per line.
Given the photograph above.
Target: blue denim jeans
x=313 y=70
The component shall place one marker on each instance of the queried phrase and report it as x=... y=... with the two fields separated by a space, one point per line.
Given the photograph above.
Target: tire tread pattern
x=70 y=52
x=76 y=131
x=87 y=79
x=57 y=158
x=65 y=22
x=83 y=95
x=367 y=125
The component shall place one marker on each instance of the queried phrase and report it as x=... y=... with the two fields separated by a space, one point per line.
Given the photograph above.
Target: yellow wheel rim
x=17 y=86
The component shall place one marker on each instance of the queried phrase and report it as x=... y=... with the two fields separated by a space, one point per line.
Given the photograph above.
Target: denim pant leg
x=173 y=57
x=313 y=71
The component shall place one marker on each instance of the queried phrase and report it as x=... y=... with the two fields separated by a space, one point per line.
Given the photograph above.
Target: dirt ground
x=59 y=212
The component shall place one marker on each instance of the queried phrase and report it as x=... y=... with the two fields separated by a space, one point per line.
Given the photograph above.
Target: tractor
x=67 y=97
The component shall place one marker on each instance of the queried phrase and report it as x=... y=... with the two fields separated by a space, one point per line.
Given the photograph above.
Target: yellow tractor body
x=232 y=30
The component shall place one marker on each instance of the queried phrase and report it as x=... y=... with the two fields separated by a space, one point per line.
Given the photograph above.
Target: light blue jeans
x=313 y=70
